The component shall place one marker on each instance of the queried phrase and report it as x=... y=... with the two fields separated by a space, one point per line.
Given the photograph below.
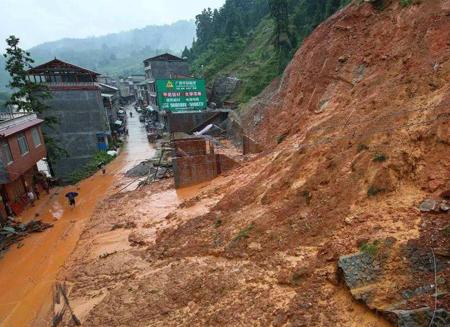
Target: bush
x=91 y=167
x=406 y=3
x=244 y=233
x=370 y=248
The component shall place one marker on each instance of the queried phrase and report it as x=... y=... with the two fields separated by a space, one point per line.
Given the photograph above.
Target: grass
x=446 y=230
x=281 y=138
x=370 y=248
x=406 y=3
x=91 y=167
x=244 y=233
x=374 y=191
x=307 y=195
x=362 y=147
x=218 y=223
x=380 y=157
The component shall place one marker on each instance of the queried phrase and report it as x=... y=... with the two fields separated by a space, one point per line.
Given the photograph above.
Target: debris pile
x=436 y=206
x=404 y=282
x=14 y=232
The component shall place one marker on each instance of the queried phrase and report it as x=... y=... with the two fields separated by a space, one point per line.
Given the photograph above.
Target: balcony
x=72 y=85
x=6 y=116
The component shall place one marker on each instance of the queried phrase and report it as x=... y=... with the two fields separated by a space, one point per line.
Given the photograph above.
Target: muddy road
x=29 y=272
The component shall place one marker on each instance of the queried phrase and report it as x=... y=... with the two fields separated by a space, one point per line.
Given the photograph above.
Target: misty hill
x=115 y=54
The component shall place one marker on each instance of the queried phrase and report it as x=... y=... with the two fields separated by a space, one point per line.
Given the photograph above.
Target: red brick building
x=21 y=147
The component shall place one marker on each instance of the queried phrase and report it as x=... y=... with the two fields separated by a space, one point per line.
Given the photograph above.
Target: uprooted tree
x=29 y=96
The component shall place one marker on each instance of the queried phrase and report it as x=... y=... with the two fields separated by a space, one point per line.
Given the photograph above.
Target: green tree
x=186 y=53
x=27 y=95
x=283 y=38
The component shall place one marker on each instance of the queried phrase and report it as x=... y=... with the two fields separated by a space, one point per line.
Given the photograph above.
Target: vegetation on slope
x=254 y=40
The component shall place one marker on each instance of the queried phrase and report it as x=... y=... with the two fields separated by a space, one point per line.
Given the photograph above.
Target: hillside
x=356 y=135
x=239 y=40
x=115 y=54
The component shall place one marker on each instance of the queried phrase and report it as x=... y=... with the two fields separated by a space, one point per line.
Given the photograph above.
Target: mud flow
x=28 y=273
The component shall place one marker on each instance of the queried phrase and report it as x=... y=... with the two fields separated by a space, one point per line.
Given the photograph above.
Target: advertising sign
x=181 y=94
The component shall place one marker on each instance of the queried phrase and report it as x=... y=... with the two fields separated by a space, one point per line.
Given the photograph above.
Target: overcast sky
x=38 y=21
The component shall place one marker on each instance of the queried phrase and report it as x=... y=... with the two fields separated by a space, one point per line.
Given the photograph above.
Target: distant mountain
x=115 y=54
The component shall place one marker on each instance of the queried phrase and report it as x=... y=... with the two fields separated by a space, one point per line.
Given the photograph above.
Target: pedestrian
x=31 y=197
x=101 y=166
x=71 y=197
x=9 y=210
x=36 y=191
x=131 y=114
x=46 y=186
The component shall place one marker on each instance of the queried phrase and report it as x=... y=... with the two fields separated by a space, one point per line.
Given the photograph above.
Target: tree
x=283 y=42
x=186 y=53
x=29 y=96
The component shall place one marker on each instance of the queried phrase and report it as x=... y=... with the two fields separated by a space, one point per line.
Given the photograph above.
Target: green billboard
x=181 y=94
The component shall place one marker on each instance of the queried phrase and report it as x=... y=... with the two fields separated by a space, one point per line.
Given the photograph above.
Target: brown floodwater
x=28 y=273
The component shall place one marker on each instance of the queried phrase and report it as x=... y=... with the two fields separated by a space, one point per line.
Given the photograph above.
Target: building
x=83 y=126
x=111 y=97
x=129 y=88
x=21 y=147
x=164 y=66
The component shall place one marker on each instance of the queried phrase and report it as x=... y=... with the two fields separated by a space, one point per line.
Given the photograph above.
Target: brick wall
x=250 y=146
x=225 y=163
x=192 y=147
x=194 y=170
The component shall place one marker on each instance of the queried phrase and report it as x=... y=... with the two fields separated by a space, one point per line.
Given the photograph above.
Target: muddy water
x=28 y=273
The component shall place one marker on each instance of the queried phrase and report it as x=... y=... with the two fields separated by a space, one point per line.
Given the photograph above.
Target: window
x=36 y=137
x=6 y=153
x=23 y=145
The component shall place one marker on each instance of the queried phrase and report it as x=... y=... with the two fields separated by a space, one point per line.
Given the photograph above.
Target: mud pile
x=358 y=135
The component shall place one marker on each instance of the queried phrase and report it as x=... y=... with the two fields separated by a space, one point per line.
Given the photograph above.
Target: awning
x=118 y=122
x=105 y=95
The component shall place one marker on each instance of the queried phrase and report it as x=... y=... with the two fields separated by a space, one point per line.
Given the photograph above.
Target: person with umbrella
x=71 y=197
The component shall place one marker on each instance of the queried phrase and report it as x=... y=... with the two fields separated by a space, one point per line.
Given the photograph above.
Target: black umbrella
x=71 y=194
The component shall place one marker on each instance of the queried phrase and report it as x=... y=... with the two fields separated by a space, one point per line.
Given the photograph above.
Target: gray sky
x=38 y=21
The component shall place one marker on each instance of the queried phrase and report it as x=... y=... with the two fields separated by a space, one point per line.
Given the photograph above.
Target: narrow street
x=28 y=272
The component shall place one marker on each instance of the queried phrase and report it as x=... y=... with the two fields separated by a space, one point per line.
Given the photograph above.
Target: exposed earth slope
x=357 y=135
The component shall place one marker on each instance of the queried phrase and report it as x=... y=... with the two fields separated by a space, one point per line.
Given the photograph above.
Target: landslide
x=357 y=134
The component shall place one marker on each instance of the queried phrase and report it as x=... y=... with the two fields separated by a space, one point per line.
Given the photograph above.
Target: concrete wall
x=81 y=116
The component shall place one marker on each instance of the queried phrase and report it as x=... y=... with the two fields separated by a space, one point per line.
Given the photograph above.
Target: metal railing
x=4 y=116
x=66 y=84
